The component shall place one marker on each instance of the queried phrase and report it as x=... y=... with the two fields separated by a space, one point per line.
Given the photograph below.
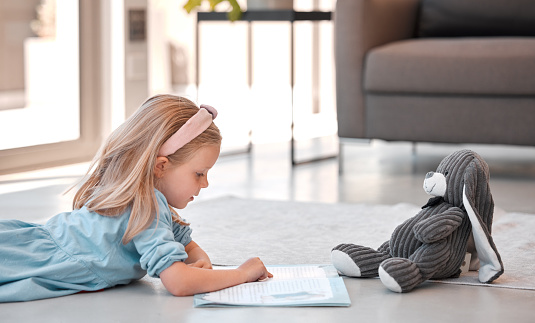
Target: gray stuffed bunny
x=433 y=243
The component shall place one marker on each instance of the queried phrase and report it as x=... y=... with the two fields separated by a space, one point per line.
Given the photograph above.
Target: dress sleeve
x=182 y=233
x=157 y=245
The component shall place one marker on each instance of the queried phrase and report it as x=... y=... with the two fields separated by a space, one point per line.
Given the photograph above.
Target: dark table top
x=268 y=15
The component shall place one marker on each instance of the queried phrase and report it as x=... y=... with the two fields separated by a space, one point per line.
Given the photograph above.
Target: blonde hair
x=121 y=175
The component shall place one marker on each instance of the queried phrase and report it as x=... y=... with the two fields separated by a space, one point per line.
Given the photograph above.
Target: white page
x=302 y=285
x=280 y=273
x=273 y=292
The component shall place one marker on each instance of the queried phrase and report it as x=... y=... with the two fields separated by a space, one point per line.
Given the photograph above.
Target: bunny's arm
x=438 y=226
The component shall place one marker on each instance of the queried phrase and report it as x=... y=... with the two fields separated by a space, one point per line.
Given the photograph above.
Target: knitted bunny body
x=433 y=243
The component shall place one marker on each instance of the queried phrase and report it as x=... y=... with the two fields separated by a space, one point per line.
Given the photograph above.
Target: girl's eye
x=200 y=174
x=446 y=173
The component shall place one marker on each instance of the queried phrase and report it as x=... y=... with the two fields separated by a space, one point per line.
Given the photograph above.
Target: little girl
x=123 y=225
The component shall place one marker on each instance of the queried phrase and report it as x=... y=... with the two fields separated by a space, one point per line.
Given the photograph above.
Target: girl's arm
x=197 y=257
x=183 y=280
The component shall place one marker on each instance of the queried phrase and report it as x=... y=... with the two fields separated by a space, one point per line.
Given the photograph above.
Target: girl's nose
x=204 y=182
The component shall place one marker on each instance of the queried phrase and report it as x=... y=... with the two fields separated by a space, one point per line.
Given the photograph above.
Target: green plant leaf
x=191 y=4
x=214 y=3
x=235 y=13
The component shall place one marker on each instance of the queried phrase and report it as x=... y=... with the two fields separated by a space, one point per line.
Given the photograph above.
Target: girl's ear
x=161 y=165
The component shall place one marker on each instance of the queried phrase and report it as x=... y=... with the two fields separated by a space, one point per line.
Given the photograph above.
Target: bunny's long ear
x=479 y=205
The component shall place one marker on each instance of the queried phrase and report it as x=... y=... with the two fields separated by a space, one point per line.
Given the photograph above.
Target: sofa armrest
x=360 y=25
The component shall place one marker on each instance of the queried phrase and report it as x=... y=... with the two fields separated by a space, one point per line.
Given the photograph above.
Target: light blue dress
x=82 y=251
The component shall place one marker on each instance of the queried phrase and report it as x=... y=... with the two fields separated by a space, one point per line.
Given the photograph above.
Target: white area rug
x=231 y=230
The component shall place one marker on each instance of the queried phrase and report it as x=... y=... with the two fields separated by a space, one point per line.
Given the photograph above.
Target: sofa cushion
x=450 y=18
x=473 y=66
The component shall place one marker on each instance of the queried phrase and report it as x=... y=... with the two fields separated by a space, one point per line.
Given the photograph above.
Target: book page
x=281 y=273
x=301 y=285
x=274 y=292
x=289 y=285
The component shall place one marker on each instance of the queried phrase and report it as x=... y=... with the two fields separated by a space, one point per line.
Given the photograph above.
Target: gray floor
x=376 y=173
x=373 y=172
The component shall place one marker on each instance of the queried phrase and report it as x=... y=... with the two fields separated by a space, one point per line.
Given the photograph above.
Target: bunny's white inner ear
x=489 y=262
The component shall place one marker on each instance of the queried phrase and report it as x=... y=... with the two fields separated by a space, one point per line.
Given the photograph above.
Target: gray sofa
x=448 y=71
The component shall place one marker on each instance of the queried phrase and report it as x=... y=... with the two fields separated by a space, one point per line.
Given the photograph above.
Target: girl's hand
x=181 y=279
x=201 y=263
x=197 y=257
x=254 y=270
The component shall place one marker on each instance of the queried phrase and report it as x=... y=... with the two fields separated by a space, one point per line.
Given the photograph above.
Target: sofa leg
x=341 y=143
x=340 y=157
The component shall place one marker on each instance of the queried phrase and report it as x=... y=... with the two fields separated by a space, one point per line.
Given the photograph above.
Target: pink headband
x=190 y=130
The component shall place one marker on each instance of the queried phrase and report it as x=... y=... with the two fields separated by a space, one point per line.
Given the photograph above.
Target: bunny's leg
x=358 y=261
x=402 y=274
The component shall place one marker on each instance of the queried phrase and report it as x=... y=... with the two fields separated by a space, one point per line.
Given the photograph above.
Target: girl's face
x=181 y=183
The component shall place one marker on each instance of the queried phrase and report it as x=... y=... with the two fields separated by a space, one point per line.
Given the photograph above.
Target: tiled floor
x=373 y=172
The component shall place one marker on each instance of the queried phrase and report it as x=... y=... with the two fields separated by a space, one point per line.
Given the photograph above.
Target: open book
x=301 y=285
